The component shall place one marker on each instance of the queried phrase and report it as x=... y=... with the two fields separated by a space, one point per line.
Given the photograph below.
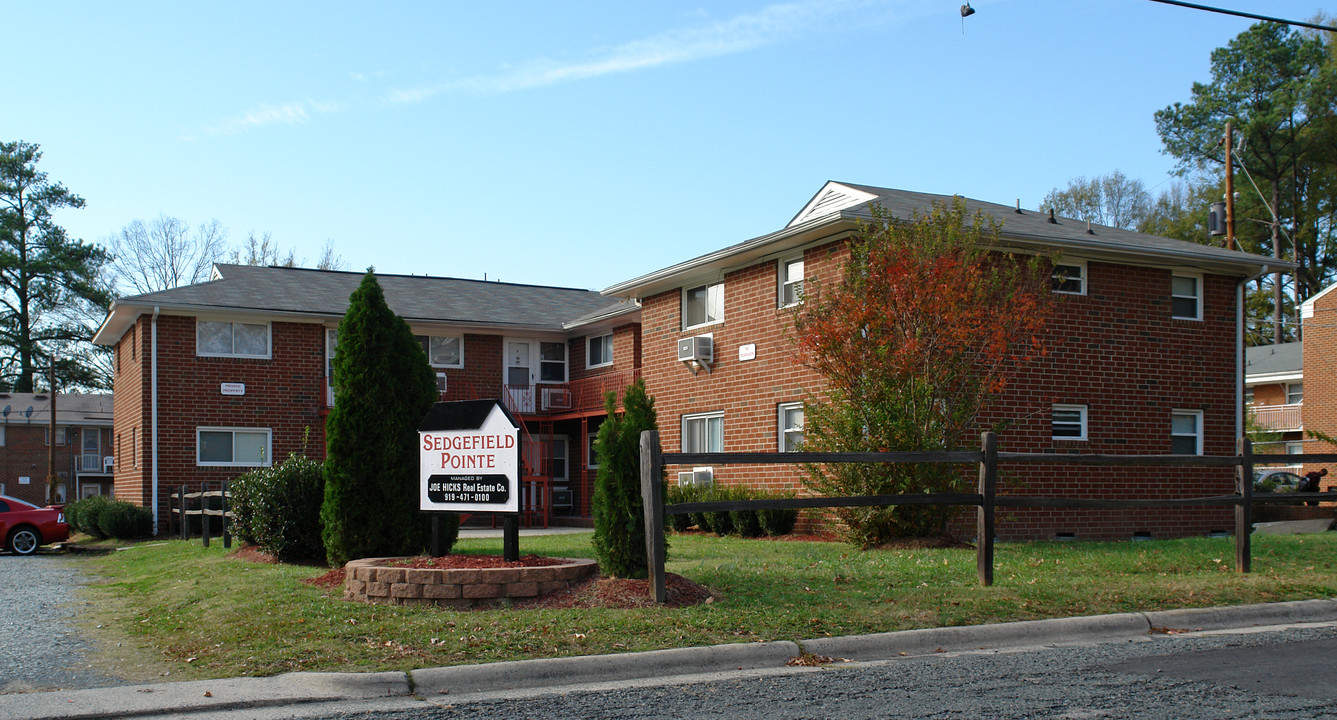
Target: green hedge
x=104 y=517
x=747 y=523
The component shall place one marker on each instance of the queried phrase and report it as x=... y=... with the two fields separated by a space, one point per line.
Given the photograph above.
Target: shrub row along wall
x=374 y=580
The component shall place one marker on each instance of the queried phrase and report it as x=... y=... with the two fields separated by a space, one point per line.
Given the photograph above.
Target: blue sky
x=582 y=143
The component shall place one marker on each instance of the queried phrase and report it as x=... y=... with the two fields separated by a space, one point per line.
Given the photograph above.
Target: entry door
x=92 y=451
x=521 y=372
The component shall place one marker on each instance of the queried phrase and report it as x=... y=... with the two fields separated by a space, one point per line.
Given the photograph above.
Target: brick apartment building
x=82 y=451
x=1292 y=387
x=1144 y=360
x=214 y=379
x=1274 y=394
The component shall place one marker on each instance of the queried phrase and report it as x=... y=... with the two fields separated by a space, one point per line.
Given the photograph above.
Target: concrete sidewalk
x=204 y=696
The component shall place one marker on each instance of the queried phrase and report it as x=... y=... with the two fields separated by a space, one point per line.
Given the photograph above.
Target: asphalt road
x=39 y=646
x=1278 y=675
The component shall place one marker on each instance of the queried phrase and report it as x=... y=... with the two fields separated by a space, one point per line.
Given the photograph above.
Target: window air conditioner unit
x=556 y=399
x=699 y=349
x=697 y=477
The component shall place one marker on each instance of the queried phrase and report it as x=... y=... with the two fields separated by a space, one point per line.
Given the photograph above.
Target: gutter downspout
x=153 y=364
x=1239 y=349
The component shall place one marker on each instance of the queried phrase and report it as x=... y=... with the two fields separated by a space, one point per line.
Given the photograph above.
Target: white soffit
x=832 y=198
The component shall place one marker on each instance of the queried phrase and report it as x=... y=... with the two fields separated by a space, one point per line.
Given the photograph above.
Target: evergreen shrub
x=277 y=509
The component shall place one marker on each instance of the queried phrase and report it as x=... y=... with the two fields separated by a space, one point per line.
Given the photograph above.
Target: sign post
x=469 y=462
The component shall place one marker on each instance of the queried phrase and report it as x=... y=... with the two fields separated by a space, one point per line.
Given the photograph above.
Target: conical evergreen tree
x=383 y=387
x=619 y=514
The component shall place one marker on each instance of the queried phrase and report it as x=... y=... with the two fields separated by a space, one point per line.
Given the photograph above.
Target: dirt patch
x=253 y=554
x=331 y=579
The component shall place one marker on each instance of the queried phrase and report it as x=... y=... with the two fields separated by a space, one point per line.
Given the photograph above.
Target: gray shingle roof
x=72 y=409
x=1033 y=224
x=324 y=293
x=1274 y=359
x=1028 y=229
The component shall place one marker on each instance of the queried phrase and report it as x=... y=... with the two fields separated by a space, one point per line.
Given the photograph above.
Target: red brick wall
x=25 y=453
x=1319 y=411
x=284 y=393
x=1121 y=355
x=130 y=413
x=1269 y=394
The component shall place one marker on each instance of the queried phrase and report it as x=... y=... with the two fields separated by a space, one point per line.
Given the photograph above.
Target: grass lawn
x=197 y=613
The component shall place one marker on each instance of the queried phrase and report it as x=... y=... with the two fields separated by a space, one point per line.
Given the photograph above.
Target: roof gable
x=832 y=198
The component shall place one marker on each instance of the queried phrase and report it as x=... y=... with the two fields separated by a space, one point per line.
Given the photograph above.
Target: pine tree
x=383 y=388
x=619 y=515
x=51 y=295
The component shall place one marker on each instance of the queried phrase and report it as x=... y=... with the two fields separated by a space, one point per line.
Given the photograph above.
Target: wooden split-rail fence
x=985 y=499
x=211 y=510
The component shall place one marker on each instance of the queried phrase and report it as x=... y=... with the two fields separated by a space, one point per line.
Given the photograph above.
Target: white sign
x=24 y=480
x=747 y=352
x=471 y=470
x=234 y=388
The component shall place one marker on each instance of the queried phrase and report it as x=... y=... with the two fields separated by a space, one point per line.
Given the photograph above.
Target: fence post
x=204 y=512
x=185 y=517
x=1244 y=510
x=652 y=499
x=984 y=519
x=227 y=531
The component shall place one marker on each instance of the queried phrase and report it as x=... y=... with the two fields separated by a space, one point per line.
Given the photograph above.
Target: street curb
x=201 y=695
x=1241 y=616
x=184 y=698
x=462 y=679
x=883 y=646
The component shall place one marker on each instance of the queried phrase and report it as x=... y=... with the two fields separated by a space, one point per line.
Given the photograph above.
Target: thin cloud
x=771 y=24
x=294 y=113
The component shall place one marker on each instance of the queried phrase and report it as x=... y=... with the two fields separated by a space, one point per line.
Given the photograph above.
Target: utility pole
x=1230 y=186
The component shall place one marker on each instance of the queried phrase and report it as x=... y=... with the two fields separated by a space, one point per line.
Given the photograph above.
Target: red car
x=24 y=527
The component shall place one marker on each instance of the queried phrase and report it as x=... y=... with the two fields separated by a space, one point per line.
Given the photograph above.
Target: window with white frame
x=2 y=435
x=1186 y=296
x=791 y=281
x=791 y=426
x=703 y=432
x=1295 y=393
x=702 y=305
x=60 y=436
x=1248 y=395
x=1186 y=432
x=444 y=351
x=234 y=447
x=552 y=362
x=1295 y=448
x=599 y=350
x=1068 y=422
x=1069 y=277
x=215 y=338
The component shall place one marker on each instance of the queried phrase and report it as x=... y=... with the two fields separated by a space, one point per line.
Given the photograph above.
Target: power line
x=1251 y=16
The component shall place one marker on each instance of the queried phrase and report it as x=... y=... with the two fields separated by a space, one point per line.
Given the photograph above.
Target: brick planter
x=375 y=580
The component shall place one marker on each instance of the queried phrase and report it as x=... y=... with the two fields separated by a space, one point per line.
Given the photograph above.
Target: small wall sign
x=747 y=352
x=24 y=480
x=233 y=388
